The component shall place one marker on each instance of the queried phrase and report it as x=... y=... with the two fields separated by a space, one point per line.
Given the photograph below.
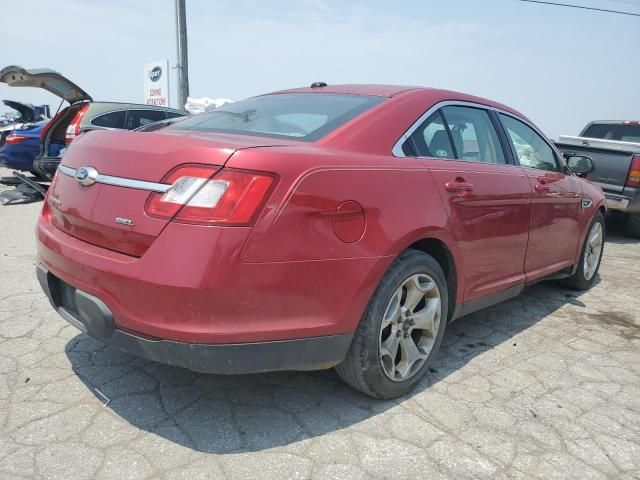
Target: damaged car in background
x=19 y=142
x=19 y=146
x=81 y=115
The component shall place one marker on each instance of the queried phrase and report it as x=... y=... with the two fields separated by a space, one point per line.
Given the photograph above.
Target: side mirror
x=580 y=165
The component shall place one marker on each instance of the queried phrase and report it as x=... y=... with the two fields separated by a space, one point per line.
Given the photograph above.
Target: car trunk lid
x=27 y=112
x=50 y=80
x=111 y=212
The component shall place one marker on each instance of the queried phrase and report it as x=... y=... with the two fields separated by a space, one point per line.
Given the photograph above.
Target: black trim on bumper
x=92 y=316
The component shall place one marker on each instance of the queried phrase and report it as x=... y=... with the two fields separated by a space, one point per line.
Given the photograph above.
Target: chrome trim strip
x=397 y=148
x=67 y=171
x=120 y=181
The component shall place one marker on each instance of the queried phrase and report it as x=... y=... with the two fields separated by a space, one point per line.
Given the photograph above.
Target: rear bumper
x=617 y=202
x=628 y=202
x=92 y=316
x=191 y=286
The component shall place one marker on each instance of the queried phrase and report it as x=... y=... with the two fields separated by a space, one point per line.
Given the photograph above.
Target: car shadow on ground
x=617 y=231
x=223 y=414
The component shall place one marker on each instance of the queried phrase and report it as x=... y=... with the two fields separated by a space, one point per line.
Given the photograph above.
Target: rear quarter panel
x=398 y=197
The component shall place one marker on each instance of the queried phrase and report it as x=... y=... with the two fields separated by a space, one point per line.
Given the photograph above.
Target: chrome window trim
x=397 y=148
x=121 y=181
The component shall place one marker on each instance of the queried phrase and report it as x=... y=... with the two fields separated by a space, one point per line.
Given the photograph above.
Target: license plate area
x=84 y=311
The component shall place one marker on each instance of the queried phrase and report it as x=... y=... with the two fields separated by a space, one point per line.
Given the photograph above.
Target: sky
x=561 y=67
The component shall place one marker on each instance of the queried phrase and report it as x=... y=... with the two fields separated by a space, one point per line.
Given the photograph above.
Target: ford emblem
x=86 y=176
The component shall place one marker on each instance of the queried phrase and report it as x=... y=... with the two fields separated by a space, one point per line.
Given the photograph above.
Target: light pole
x=182 y=63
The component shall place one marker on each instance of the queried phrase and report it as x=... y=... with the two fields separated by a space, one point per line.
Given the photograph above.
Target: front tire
x=401 y=329
x=590 y=257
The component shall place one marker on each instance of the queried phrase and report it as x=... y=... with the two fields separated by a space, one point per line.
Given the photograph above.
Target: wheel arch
x=603 y=209
x=446 y=258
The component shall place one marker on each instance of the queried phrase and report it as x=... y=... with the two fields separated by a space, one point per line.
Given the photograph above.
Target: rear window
x=110 y=120
x=303 y=116
x=622 y=133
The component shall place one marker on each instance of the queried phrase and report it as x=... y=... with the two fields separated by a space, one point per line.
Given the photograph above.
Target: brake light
x=633 y=180
x=200 y=195
x=73 y=130
x=15 y=139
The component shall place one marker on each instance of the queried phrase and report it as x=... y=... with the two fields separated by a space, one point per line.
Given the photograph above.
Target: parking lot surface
x=544 y=386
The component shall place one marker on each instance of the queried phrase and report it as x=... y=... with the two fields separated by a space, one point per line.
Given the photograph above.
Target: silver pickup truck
x=614 y=147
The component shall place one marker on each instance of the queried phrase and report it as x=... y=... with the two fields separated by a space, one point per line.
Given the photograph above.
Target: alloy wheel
x=409 y=327
x=593 y=251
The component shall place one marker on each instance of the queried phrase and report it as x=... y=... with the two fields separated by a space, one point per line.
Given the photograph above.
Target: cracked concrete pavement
x=544 y=386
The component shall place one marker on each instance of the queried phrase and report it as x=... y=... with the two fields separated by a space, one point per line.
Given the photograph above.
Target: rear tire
x=633 y=225
x=590 y=257
x=401 y=329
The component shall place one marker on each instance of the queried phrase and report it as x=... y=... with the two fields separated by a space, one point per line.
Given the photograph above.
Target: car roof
x=355 y=89
x=389 y=91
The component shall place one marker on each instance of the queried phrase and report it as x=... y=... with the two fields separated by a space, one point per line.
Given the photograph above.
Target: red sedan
x=327 y=226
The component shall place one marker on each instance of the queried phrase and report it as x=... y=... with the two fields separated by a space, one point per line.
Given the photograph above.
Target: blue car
x=19 y=148
x=20 y=142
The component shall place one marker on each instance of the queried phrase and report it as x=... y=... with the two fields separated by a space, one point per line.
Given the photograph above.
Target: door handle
x=458 y=186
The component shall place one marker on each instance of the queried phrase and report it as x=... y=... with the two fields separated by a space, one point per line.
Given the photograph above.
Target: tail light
x=633 y=180
x=73 y=130
x=15 y=139
x=200 y=195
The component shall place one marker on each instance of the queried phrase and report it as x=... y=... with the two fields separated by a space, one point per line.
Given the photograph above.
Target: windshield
x=612 y=131
x=303 y=116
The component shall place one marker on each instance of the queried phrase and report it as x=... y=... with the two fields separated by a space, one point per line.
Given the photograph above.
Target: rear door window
x=431 y=139
x=458 y=133
x=110 y=120
x=473 y=134
x=140 y=118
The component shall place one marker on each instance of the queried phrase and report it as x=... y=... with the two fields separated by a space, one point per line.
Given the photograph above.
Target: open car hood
x=26 y=110
x=49 y=80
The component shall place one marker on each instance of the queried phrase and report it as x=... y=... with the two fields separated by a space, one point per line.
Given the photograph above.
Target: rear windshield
x=303 y=116
x=622 y=133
